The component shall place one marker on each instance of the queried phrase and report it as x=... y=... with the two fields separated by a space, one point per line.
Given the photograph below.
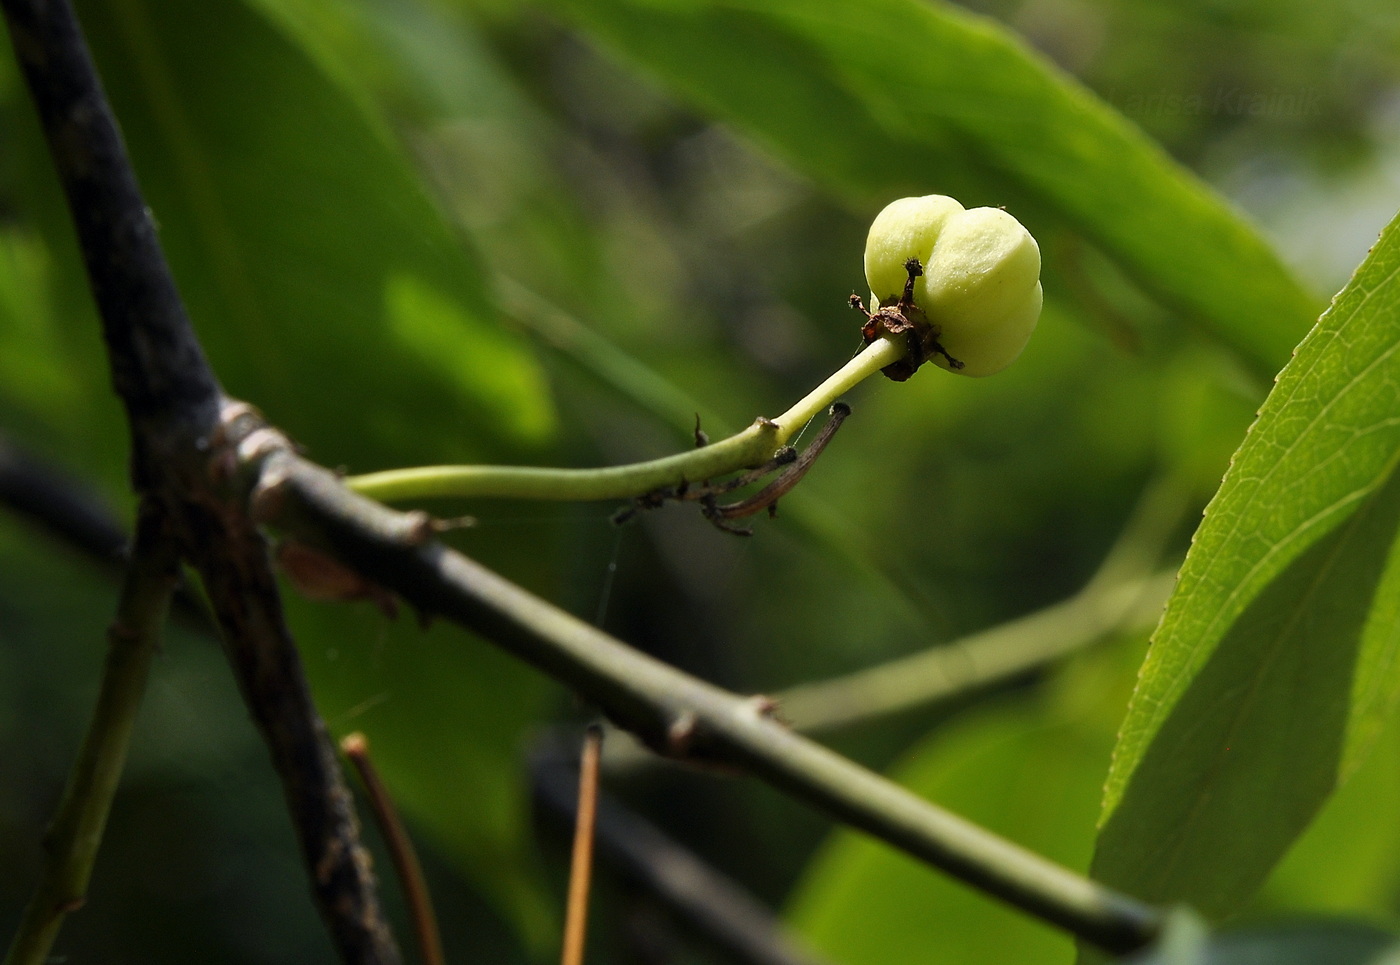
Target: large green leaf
x=1276 y=661
x=320 y=276
x=900 y=96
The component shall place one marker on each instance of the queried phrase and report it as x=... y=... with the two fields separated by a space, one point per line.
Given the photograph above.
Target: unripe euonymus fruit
x=980 y=287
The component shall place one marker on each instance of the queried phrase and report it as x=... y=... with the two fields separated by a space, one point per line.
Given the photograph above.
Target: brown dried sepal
x=906 y=319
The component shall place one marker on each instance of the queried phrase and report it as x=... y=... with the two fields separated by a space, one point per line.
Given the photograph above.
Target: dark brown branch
x=158 y=367
x=670 y=711
x=174 y=404
x=232 y=560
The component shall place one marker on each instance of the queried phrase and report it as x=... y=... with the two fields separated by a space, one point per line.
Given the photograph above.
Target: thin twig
x=785 y=456
x=658 y=397
x=979 y=661
x=716 y=905
x=787 y=462
x=743 y=450
x=74 y=515
x=948 y=671
x=180 y=461
x=767 y=497
x=707 y=492
x=60 y=505
x=76 y=832
x=581 y=865
x=672 y=711
x=401 y=850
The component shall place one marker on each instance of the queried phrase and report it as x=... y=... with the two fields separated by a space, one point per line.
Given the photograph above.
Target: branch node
x=261 y=443
x=419 y=528
x=763 y=707
x=233 y=414
x=680 y=734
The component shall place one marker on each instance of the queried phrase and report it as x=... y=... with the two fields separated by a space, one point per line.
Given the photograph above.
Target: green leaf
x=296 y=229
x=898 y=97
x=1276 y=661
x=861 y=903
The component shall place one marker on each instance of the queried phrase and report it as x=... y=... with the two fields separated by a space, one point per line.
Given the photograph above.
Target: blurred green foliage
x=1300 y=942
x=353 y=194
x=1027 y=766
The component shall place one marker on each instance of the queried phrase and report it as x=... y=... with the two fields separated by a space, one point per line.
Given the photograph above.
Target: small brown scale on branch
x=907 y=319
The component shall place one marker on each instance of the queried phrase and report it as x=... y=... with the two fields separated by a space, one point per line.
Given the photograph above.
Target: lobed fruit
x=980 y=289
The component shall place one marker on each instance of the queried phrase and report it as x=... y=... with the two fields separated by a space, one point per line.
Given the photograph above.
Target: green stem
x=871 y=359
x=73 y=838
x=751 y=447
x=674 y=712
x=979 y=661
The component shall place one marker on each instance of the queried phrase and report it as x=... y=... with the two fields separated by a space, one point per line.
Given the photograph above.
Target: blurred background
x=420 y=231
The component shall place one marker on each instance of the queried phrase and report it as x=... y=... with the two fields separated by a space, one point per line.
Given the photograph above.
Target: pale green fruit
x=907 y=228
x=981 y=282
x=982 y=289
